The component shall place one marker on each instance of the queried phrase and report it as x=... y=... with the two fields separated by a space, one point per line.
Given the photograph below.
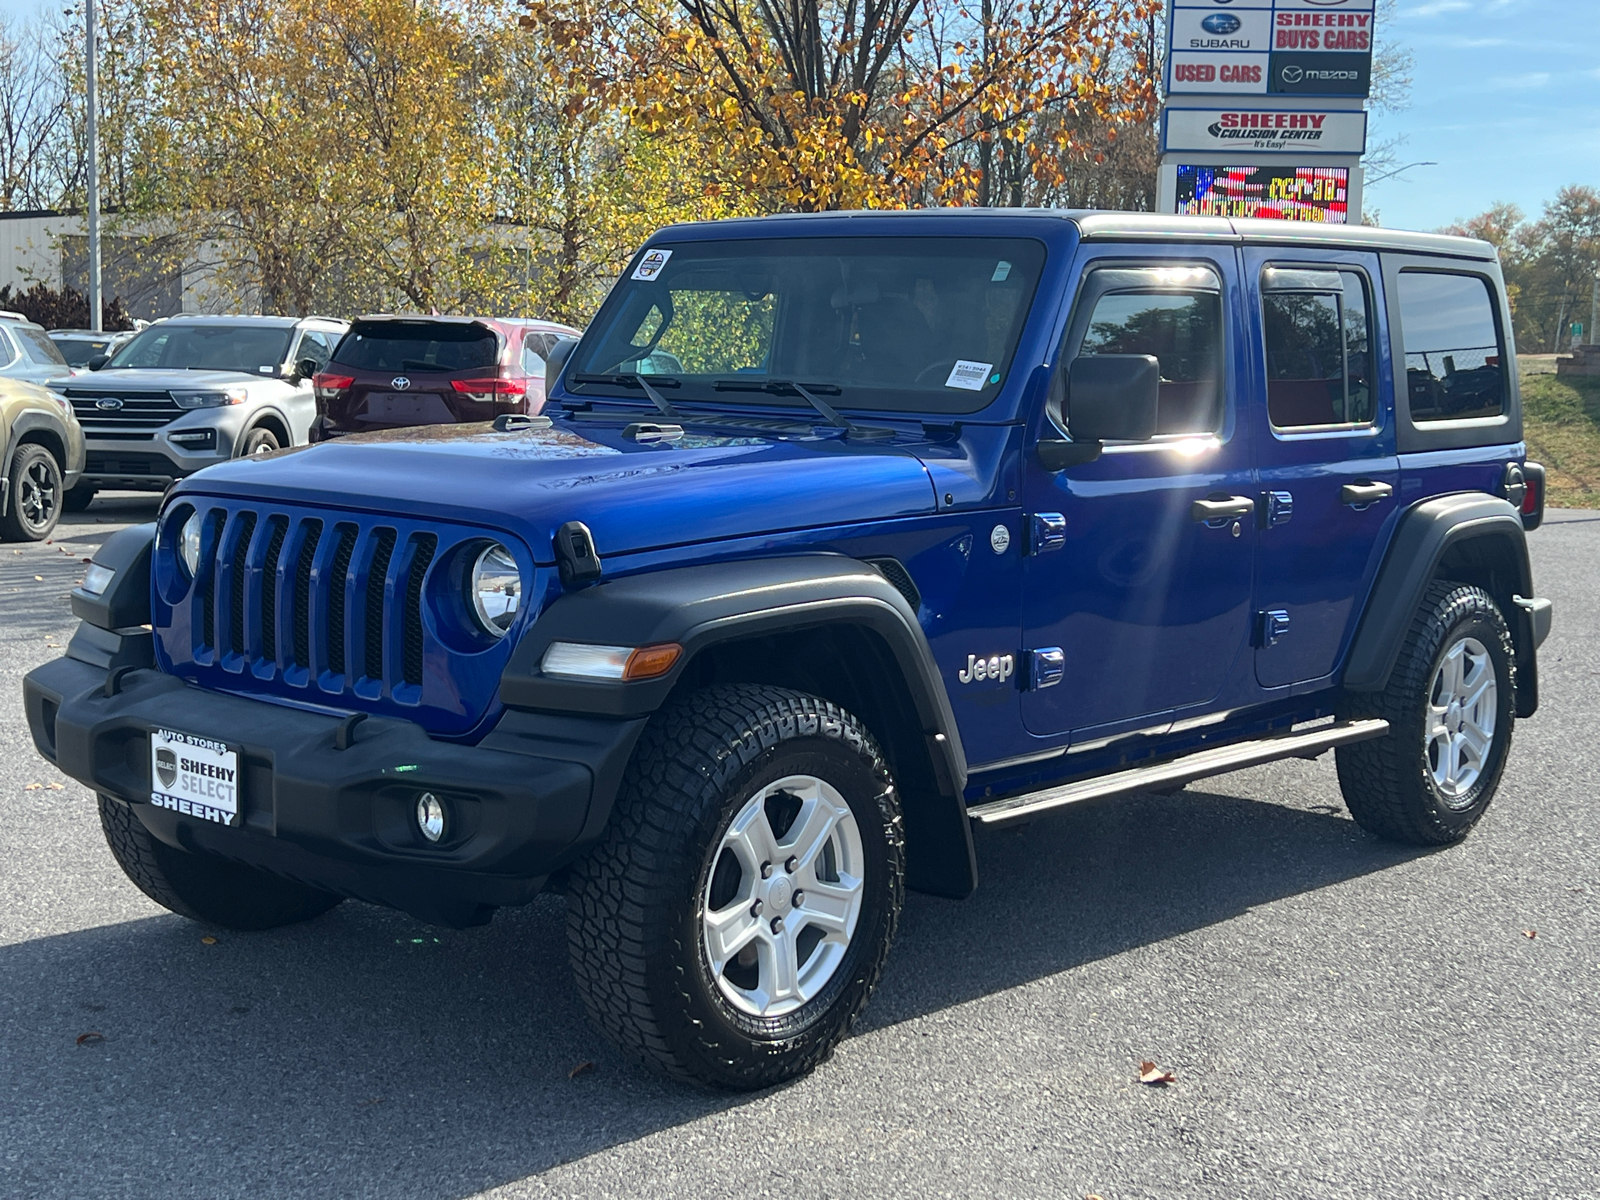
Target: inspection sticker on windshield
x=969 y=375
x=650 y=265
x=194 y=776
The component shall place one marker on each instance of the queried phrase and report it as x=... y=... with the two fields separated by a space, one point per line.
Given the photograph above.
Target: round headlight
x=496 y=589
x=189 y=544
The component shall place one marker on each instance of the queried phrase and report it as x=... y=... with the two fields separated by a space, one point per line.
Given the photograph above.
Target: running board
x=1200 y=765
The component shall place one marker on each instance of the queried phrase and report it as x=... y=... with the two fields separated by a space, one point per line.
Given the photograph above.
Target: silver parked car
x=26 y=351
x=191 y=391
x=78 y=346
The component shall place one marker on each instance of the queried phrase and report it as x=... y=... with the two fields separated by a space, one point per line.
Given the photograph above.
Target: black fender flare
x=36 y=421
x=703 y=606
x=1426 y=534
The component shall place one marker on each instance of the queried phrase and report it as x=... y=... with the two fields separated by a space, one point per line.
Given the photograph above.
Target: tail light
x=1532 y=495
x=490 y=389
x=328 y=386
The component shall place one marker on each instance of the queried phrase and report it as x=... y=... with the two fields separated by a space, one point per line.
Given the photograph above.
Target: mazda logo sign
x=1292 y=74
x=399 y=383
x=110 y=404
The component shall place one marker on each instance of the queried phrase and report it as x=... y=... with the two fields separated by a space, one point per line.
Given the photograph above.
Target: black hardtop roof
x=1099 y=225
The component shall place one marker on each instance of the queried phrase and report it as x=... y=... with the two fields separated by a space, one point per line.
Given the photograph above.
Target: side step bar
x=1199 y=765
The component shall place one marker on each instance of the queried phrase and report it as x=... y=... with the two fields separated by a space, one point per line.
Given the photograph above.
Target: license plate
x=194 y=776
x=399 y=406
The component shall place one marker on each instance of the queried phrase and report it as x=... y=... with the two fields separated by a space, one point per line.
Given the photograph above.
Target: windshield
x=418 y=346
x=79 y=350
x=913 y=324
x=253 y=349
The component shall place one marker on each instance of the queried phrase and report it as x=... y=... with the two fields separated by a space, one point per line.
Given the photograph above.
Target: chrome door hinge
x=1271 y=625
x=1046 y=532
x=1277 y=508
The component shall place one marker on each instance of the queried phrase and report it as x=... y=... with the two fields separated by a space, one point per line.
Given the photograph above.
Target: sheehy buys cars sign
x=1271 y=47
x=1304 y=131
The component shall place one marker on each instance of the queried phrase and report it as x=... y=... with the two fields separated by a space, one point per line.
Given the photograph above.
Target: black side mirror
x=305 y=369
x=1109 y=398
x=98 y=361
x=555 y=361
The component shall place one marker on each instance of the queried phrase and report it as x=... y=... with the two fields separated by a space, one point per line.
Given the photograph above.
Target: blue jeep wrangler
x=842 y=534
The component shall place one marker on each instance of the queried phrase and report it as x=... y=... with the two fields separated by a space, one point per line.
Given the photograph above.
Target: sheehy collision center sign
x=1271 y=47
x=1300 y=131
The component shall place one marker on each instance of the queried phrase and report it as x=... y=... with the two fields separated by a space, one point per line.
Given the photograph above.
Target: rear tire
x=737 y=798
x=1451 y=705
x=204 y=888
x=33 y=505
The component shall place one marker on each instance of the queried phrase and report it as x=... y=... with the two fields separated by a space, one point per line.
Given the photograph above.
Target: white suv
x=192 y=391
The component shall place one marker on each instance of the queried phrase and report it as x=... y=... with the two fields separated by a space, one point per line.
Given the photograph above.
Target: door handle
x=1359 y=495
x=1222 y=508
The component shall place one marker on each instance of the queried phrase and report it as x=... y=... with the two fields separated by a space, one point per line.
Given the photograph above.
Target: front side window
x=1455 y=364
x=1319 y=347
x=315 y=346
x=921 y=324
x=1175 y=314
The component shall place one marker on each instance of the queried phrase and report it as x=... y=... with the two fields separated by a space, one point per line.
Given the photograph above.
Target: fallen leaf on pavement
x=88 y=560
x=32 y=787
x=90 y=1039
x=584 y=1068
x=39 y=578
x=54 y=787
x=1530 y=933
x=208 y=940
x=1154 y=1075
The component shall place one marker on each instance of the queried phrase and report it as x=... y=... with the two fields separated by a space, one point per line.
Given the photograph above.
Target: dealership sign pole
x=92 y=134
x=1264 y=113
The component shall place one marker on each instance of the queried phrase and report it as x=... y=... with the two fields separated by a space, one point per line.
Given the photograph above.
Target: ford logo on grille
x=399 y=383
x=1221 y=23
x=110 y=404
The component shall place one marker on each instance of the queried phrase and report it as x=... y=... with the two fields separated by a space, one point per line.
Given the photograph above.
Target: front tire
x=201 y=887
x=736 y=917
x=259 y=441
x=34 y=504
x=1451 y=705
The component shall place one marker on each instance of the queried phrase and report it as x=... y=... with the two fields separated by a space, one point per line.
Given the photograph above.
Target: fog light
x=430 y=816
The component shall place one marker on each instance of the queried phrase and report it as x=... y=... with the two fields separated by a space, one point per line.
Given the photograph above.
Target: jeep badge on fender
x=695 y=653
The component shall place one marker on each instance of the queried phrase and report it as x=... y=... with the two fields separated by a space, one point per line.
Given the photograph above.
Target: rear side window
x=1455 y=364
x=418 y=346
x=36 y=344
x=1319 y=347
x=1176 y=315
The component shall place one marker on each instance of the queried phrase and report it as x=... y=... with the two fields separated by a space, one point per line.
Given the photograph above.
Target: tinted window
x=920 y=324
x=418 y=346
x=1175 y=315
x=1454 y=360
x=36 y=344
x=254 y=349
x=79 y=350
x=1319 y=361
x=315 y=345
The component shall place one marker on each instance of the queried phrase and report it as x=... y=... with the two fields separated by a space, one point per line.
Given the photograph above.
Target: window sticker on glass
x=969 y=375
x=650 y=265
x=1001 y=270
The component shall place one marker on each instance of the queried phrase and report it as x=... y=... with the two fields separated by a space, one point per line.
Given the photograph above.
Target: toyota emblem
x=399 y=383
x=110 y=404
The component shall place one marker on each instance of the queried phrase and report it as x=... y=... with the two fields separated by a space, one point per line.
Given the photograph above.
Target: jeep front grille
x=290 y=598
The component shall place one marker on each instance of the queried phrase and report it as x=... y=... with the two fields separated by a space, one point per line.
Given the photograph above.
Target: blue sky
x=1505 y=98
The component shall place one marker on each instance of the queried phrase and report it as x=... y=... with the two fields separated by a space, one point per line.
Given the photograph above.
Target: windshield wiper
x=639 y=381
x=808 y=393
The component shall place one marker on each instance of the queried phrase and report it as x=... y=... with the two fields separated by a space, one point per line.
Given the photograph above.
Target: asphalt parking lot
x=1344 y=1018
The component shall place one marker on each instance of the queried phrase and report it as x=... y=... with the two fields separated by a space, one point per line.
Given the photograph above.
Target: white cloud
x=1525 y=82
x=1436 y=8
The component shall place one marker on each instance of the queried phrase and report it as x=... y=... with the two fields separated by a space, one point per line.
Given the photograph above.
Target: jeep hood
x=632 y=496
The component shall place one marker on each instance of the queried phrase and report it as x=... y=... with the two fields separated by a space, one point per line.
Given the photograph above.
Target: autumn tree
x=821 y=104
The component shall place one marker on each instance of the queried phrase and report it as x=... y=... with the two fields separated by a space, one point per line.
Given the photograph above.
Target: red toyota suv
x=389 y=371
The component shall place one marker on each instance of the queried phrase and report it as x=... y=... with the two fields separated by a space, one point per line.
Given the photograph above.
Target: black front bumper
x=520 y=804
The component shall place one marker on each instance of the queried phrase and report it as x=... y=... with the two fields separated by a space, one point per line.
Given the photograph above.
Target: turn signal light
x=649 y=662
x=576 y=660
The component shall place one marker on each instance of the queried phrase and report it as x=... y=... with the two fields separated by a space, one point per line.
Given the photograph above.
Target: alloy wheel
x=1462 y=706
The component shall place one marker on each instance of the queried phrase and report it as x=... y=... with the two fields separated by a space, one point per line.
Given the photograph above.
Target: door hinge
x=1046 y=666
x=1046 y=532
x=1271 y=625
x=1277 y=508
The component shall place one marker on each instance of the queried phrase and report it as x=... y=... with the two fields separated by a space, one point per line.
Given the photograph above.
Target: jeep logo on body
x=996 y=666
